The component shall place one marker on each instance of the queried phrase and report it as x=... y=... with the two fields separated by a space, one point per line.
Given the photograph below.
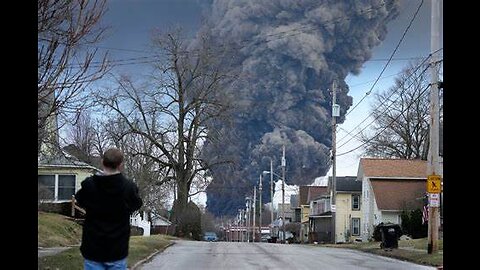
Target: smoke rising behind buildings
x=288 y=54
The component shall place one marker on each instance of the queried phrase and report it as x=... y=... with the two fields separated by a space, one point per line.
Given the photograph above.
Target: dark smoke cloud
x=288 y=53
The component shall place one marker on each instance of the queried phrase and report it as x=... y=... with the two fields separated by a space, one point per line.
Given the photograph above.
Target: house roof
x=347 y=184
x=308 y=193
x=399 y=194
x=62 y=160
x=80 y=155
x=394 y=168
x=161 y=219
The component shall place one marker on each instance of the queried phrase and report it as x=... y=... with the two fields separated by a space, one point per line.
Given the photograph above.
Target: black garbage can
x=390 y=234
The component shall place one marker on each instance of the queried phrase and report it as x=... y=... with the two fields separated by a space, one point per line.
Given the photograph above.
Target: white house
x=389 y=186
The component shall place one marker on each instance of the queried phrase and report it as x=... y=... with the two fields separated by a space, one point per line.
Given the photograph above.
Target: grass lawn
x=414 y=250
x=140 y=248
x=57 y=231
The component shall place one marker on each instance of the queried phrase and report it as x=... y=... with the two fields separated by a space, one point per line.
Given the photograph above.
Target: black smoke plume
x=288 y=53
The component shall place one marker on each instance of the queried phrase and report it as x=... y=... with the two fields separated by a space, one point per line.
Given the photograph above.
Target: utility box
x=336 y=110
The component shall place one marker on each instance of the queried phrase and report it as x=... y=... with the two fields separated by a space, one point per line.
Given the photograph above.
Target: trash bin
x=390 y=234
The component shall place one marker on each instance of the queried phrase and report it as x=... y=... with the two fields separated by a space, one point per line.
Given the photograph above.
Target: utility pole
x=248 y=219
x=335 y=112
x=284 y=164
x=271 y=196
x=240 y=235
x=260 y=206
x=433 y=164
x=254 y=226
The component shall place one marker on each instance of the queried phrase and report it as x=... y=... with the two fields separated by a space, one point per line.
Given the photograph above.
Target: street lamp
x=247 y=203
x=271 y=187
x=284 y=163
x=240 y=225
x=260 y=202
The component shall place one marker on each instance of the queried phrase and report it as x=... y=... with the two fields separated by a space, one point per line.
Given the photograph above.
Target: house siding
x=344 y=215
x=371 y=214
x=393 y=217
x=367 y=206
x=304 y=213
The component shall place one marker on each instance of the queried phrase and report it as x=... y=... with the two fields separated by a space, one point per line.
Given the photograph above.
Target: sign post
x=434 y=188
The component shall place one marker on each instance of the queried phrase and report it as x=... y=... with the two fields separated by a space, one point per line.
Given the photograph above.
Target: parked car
x=266 y=237
x=210 y=236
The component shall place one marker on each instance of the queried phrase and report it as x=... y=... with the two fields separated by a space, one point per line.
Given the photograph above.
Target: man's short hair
x=112 y=158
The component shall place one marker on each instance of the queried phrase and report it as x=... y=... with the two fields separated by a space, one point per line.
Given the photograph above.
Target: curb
x=149 y=257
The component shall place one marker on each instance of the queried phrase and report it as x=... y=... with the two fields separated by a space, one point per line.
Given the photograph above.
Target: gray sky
x=132 y=21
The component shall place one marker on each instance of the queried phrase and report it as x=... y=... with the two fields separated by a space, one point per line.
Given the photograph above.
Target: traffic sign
x=434 y=184
x=434 y=200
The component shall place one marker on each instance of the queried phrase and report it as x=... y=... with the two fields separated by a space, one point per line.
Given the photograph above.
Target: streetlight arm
x=267 y=172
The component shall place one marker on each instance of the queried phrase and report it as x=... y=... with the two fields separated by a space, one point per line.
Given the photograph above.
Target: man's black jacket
x=109 y=200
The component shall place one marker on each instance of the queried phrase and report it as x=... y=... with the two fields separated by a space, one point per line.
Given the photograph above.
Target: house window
x=355 y=202
x=56 y=187
x=298 y=215
x=355 y=226
x=46 y=187
x=66 y=187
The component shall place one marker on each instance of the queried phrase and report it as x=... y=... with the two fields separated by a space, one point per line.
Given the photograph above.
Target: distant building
x=348 y=213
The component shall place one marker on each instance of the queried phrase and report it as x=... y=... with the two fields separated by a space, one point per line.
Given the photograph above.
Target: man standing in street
x=109 y=198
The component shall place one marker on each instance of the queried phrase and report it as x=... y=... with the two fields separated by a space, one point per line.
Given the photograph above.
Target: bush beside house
x=412 y=224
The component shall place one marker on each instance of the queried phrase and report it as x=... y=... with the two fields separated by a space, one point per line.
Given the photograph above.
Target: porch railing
x=75 y=207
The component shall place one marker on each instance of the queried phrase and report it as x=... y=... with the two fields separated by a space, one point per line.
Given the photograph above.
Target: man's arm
x=79 y=196
x=134 y=200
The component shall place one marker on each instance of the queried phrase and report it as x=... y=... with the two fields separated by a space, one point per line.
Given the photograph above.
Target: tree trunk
x=179 y=207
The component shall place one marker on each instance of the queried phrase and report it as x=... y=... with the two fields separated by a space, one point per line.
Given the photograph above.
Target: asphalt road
x=190 y=255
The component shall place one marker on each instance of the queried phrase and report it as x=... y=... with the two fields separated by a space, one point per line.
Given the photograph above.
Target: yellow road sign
x=434 y=184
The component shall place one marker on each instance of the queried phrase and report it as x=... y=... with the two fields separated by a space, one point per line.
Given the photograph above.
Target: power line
x=387 y=76
x=280 y=35
x=96 y=46
x=388 y=98
x=396 y=118
x=395 y=59
x=389 y=60
x=394 y=92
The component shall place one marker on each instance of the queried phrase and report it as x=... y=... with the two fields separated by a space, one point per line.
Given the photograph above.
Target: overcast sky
x=131 y=24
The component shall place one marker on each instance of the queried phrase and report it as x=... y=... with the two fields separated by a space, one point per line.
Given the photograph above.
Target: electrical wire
x=355 y=136
x=393 y=92
x=278 y=35
x=386 y=108
x=389 y=125
x=389 y=60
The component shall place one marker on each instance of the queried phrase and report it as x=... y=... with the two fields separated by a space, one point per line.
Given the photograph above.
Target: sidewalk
x=418 y=250
x=43 y=251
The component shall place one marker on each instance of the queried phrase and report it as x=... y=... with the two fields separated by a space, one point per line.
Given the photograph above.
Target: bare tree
x=67 y=29
x=172 y=114
x=401 y=113
x=81 y=138
x=154 y=181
